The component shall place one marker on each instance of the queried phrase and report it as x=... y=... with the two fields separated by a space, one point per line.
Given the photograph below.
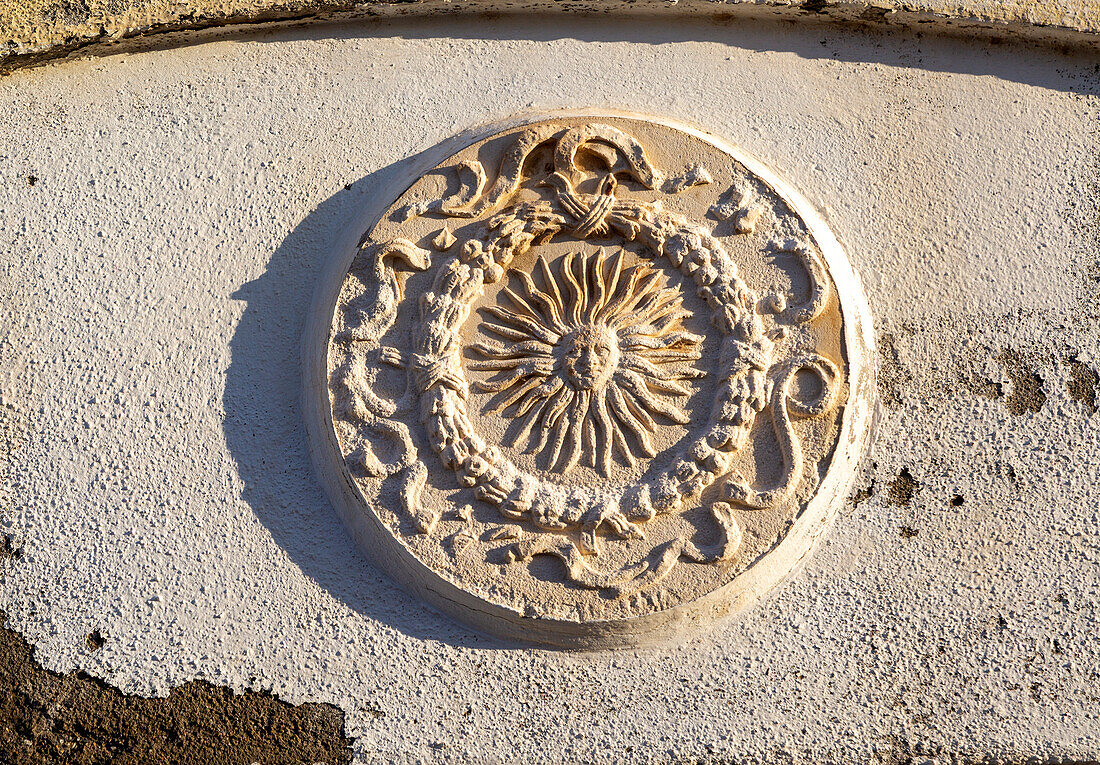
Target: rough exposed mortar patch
x=973 y=363
x=1083 y=383
x=893 y=377
x=980 y=385
x=94 y=640
x=864 y=494
x=902 y=489
x=9 y=548
x=1027 y=386
x=46 y=717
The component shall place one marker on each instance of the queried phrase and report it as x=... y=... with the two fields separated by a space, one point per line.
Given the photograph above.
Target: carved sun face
x=589 y=356
x=590 y=359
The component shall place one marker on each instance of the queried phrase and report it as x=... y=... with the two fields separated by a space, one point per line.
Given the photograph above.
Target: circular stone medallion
x=591 y=381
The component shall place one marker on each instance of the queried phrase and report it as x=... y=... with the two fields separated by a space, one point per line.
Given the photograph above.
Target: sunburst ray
x=550 y=309
x=593 y=356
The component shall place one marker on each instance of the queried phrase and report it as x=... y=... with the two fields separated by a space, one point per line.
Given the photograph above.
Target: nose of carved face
x=589 y=357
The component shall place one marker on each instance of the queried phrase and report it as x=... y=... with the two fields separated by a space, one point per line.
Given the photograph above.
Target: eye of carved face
x=589 y=356
x=589 y=360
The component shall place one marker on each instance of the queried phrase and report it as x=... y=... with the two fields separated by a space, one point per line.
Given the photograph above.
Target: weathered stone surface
x=649 y=358
x=32 y=31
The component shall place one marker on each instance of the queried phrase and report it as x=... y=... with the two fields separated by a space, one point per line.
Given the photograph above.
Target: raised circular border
x=681 y=622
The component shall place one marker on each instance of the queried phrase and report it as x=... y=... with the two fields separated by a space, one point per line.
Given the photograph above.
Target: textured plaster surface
x=165 y=217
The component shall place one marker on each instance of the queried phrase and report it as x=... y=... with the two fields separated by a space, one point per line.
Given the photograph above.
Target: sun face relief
x=589 y=356
x=589 y=359
x=563 y=311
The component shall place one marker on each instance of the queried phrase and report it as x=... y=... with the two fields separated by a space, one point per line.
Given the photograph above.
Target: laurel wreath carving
x=753 y=372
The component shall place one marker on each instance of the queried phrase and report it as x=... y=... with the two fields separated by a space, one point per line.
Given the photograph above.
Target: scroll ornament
x=591 y=303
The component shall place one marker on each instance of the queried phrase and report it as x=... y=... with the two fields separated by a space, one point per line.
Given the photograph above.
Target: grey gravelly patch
x=1083 y=382
x=1027 y=386
x=893 y=378
x=903 y=488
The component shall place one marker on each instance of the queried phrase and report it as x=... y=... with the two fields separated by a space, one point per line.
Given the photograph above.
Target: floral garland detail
x=752 y=375
x=746 y=355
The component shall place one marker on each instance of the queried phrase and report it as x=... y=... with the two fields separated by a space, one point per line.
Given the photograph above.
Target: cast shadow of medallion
x=266 y=435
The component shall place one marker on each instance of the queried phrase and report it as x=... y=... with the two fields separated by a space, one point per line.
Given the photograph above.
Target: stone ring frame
x=755 y=374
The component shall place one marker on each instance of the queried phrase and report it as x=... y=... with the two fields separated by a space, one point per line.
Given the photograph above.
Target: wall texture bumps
x=166 y=218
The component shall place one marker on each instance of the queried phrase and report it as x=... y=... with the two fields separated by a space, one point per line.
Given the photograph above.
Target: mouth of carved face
x=589 y=356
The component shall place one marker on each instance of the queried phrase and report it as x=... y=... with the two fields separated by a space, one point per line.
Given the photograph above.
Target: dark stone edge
x=204 y=27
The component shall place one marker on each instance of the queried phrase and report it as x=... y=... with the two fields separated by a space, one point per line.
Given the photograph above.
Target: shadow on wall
x=266 y=435
x=955 y=48
x=949 y=50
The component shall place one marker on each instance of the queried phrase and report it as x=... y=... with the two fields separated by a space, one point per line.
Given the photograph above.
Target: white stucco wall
x=156 y=278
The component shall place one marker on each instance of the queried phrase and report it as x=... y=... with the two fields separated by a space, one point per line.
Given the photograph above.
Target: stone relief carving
x=586 y=359
x=589 y=358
